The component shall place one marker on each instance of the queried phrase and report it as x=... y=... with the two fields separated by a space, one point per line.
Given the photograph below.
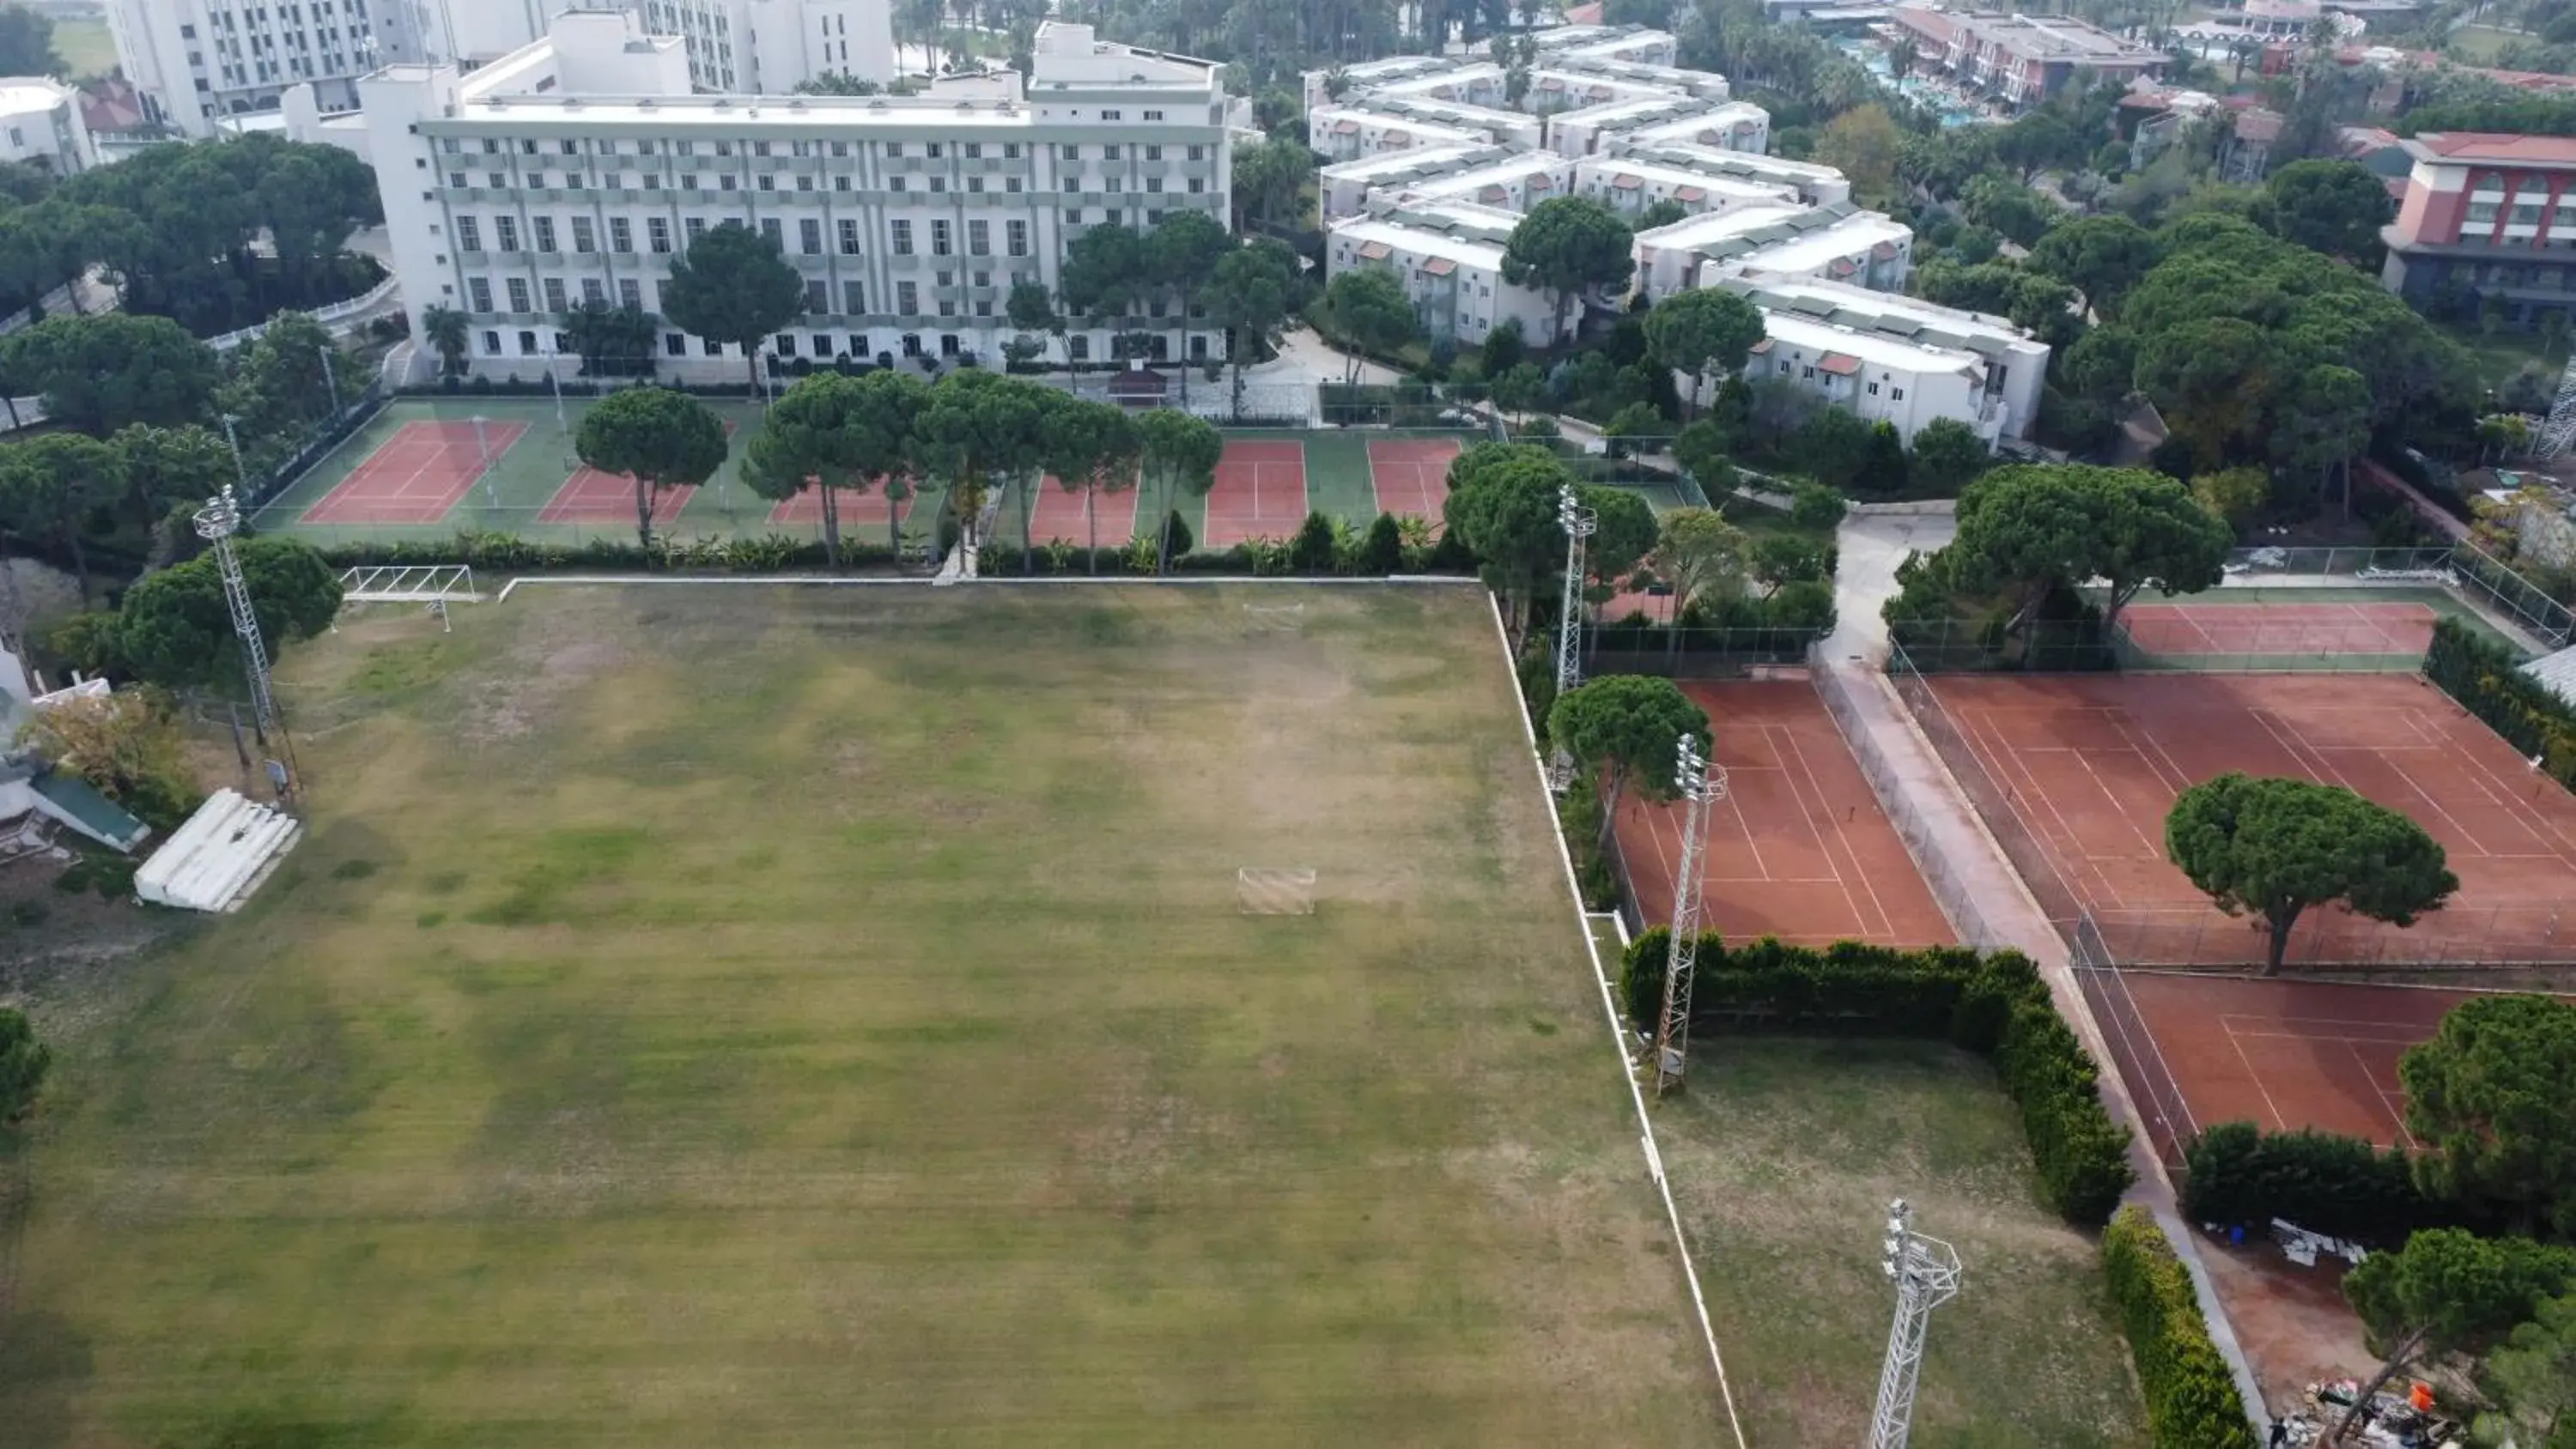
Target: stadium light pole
x=330 y=380
x=1700 y=784
x=1579 y=523
x=216 y=523
x=1926 y=1272
x=240 y=476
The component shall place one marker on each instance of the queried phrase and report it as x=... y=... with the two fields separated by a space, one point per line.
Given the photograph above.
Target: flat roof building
x=2022 y=59
x=2486 y=216
x=1895 y=359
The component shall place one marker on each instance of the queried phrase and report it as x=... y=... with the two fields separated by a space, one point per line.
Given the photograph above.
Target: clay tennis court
x=1411 y=475
x=590 y=496
x=2088 y=765
x=2200 y=1050
x=416 y=475
x=2275 y=628
x=1059 y=514
x=1260 y=492
x=1799 y=849
x=856 y=509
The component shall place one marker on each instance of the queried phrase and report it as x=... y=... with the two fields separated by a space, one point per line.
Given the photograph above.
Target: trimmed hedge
x=2192 y=1401
x=1995 y=1006
x=1578 y=814
x=2486 y=679
x=779 y=553
x=2344 y=1187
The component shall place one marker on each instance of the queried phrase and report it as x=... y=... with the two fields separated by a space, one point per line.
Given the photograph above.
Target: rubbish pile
x=2391 y=1421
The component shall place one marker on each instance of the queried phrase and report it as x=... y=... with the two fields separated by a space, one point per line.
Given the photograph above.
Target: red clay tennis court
x=1411 y=475
x=2200 y=1050
x=2087 y=765
x=856 y=509
x=595 y=498
x=2275 y=628
x=1059 y=515
x=1260 y=492
x=416 y=475
x=1799 y=849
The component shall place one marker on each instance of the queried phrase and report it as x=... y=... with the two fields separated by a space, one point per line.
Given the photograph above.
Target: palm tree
x=446 y=329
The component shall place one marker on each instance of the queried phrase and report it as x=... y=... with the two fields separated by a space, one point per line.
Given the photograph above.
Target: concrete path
x=1986 y=900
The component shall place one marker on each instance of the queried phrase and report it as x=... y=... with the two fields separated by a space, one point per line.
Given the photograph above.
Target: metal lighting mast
x=1700 y=786
x=215 y=523
x=1926 y=1273
x=1578 y=523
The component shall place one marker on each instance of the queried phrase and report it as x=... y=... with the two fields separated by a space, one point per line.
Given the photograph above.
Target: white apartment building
x=1816 y=185
x=574 y=169
x=194 y=61
x=1842 y=243
x=1727 y=125
x=1629 y=187
x=1668 y=79
x=1606 y=42
x=1450 y=259
x=1738 y=127
x=1894 y=359
x=1353 y=133
x=1513 y=183
x=41 y=125
x=769 y=47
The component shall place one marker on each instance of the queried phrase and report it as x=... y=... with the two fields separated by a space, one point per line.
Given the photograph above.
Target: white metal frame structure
x=1926 y=1272
x=1579 y=524
x=1701 y=785
x=435 y=585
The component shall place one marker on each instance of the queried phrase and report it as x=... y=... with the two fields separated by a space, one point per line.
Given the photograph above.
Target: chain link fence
x=2455 y=937
x=1692 y=651
x=2463 y=568
x=1948 y=886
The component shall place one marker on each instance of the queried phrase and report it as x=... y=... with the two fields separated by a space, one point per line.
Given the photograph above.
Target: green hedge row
x=1994 y=1005
x=1578 y=814
x=778 y=553
x=2485 y=678
x=2344 y=1187
x=2192 y=1401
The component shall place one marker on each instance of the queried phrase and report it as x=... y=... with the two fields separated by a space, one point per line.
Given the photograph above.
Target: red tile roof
x=2501 y=148
x=1840 y=364
x=1440 y=266
x=1689 y=193
x=1629 y=181
x=1376 y=251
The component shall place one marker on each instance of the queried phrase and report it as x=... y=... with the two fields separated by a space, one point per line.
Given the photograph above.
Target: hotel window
x=1015 y=235
x=657 y=233
x=907 y=299
x=896 y=183
x=853 y=299
x=519 y=295
x=939 y=239
x=593 y=293
x=675 y=344
x=630 y=293
x=505 y=229
x=545 y=230
x=554 y=294
x=902 y=231
x=849 y=237
x=1112 y=153
x=478 y=293
x=769 y=231
x=979 y=239
x=621 y=235
x=809 y=235
x=1896 y=394
x=583 y=237
x=818 y=298
x=469 y=234
x=695 y=227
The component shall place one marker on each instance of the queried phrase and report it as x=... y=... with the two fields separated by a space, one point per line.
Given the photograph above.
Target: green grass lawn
x=85 y=45
x=1784 y=1154
x=2499 y=355
x=762 y=1016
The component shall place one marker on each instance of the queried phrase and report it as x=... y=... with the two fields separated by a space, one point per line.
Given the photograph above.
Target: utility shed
x=222 y=854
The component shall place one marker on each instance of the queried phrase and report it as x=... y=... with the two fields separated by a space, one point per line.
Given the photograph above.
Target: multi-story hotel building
x=574 y=169
x=2486 y=217
x=2022 y=60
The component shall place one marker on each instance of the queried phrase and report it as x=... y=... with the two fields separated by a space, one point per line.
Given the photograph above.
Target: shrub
x=2192 y=1401
x=1995 y=1006
x=2485 y=679
x=1813 y=505
x=1382 y=552
x=1311 y=551
x=2346 y=1187
x=1182 y=540
x=1578 y=814
x=23 y=1061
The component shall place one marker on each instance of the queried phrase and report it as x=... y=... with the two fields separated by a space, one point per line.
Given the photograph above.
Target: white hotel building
x=1894 y=359
x=576 y=168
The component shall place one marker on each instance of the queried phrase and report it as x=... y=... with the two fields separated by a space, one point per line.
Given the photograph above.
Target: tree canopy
x=1624 y=729
x=2027 y=529
x=732 y=286
x=1708 y=329
x=1503 y=504
x=1701 y=555
x=100 y=373
x=2273 y=848
x=1179 y=454
x=2100 y=256
x=23 y=1061
x=2336 y=207
x=2488 y=1097
x=658 y=437
x=2450 y=1291
x=1370 y=307
x=1566 y=244
x=816 y=436
x=175 y=628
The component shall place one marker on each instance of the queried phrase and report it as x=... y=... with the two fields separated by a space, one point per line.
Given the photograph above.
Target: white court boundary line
x=1618 y=1040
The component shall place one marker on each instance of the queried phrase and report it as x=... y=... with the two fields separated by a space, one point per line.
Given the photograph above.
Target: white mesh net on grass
x=1261 y=891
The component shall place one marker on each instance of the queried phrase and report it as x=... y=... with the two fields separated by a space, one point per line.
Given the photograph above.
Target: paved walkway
x=1986 y=900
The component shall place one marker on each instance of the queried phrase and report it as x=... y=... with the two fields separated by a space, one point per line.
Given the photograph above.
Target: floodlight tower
x=1926 y=1273
x=1700 y=785
x=1578 y=523
x=216 y=523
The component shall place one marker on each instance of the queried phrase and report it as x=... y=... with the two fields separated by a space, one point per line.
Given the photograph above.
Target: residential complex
x=41 y=124
x=1841 y=242
x=573 y=169
x=1450 y=259
x=1894 y=359
x=2022 y=60
x=2484 y=218
x=194 y=62
x=769 y=47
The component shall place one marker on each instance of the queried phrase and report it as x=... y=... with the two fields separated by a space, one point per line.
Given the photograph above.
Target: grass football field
x=759 y=1016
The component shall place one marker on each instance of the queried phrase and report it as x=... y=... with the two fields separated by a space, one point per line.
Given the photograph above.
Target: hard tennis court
x=1799 y=848
x=595 y=498
x=2087 y=766
x=417 y=474
x=1411 y=475
x=1260 y=492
